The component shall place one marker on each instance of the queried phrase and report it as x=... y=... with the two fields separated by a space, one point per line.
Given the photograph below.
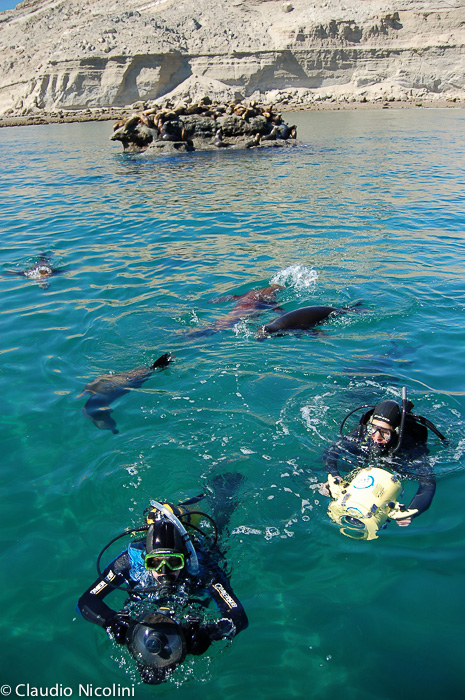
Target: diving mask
x=156 y=560
x=385 y=433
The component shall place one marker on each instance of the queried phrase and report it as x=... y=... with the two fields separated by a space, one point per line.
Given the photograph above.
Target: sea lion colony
x=203 y=126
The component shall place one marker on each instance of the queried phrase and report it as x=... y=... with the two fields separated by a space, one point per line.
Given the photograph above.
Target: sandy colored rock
x=60 y=58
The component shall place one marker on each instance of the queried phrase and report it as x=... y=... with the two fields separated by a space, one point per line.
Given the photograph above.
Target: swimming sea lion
x=302 y=319
x=39 y=271
x=249 y=304
x=106 y=389
x=223 y=496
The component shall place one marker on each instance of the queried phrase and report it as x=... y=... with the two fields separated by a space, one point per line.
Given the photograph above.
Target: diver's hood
x=157 y=643
x=389 y=412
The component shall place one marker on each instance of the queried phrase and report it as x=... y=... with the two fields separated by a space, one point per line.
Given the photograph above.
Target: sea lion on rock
x=302 y=319
x=170 y=131
x=254 y=142
x=218 y=140
x=209 y=126
x=134 y=134
x=272 y=135
x=109 y=387
x=248 y=304
x=283 y=131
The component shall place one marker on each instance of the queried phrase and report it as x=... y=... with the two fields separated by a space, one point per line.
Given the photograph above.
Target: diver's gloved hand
x=119 y=626
x=197 y=637
x=222 y=629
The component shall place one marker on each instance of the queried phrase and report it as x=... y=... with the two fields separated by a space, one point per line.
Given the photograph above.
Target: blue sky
x=7 y=4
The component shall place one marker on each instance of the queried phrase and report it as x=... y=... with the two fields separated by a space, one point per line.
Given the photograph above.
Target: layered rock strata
x=82 y=54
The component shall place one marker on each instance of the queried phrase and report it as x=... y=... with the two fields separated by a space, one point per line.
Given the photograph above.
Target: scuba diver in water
x=175 y=575
x=383 y=432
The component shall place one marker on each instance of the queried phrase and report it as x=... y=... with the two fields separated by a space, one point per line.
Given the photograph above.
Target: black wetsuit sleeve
x=233 y=618
x=228 y=605
x=346 y=445
x=331 y=458
x=91 y=605
x=426 y=489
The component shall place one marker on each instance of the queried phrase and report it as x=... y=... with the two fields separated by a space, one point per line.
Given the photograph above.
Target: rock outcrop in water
x=205 y=126
x=66 y=55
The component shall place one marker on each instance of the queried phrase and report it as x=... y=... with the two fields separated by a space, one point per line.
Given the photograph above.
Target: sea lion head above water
x=39 y=271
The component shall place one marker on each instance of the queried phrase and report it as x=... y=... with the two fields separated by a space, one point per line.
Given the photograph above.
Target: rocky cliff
x=87 y=54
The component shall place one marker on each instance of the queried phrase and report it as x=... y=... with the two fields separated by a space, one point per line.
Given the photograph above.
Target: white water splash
x=299 y=277
x=314 y=416
x=244 y=530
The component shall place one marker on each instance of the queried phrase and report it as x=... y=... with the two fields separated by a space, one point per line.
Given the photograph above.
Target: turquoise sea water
x=370 y=206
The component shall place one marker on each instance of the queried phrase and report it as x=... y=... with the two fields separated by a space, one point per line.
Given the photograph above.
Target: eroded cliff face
x=77 y=54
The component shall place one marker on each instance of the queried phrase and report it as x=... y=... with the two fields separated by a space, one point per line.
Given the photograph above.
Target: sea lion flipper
x=162 y=361
x=223 y=496
x=101 y=418
x=353 y=305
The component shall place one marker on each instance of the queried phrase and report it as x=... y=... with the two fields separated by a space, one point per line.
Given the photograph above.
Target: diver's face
x=165 y=565
x=381 y=432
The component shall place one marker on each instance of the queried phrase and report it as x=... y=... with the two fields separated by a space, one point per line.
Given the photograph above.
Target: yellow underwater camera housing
x=363 y=503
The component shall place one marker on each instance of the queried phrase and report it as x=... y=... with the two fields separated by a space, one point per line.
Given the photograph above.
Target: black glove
x=119 y=626
x=222 y=629
x=197 y=637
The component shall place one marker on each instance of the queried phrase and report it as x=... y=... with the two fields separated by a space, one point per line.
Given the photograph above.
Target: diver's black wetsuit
x=210 y=584
x=410 y=463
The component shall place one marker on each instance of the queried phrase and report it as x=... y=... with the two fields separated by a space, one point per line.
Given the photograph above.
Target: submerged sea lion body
x=109 y=387
x=249 y=304
x=303 y=319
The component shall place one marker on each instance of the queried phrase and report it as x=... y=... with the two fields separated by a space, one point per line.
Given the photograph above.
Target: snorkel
x=402 y=421
x=192 y=564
